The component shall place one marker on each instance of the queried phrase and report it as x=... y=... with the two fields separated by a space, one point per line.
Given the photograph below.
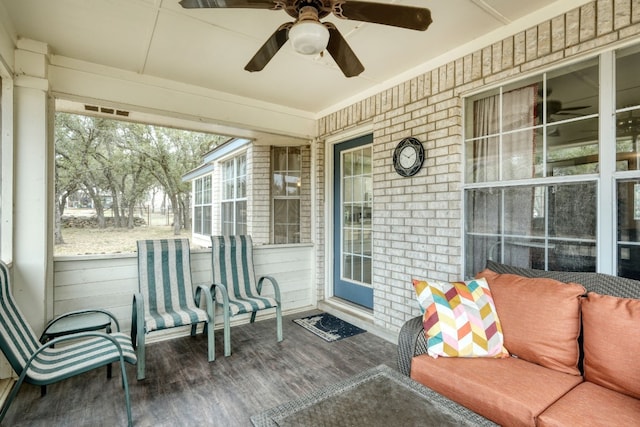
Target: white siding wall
x=110 y=281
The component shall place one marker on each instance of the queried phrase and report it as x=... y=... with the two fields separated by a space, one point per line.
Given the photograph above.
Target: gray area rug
x=380 y=396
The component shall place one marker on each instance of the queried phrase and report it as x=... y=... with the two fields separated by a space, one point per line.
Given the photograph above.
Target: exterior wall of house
x=259 y=198
x=260 y=194
x=418 y=220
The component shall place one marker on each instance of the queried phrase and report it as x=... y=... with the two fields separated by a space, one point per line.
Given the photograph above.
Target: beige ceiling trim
x=491 y=11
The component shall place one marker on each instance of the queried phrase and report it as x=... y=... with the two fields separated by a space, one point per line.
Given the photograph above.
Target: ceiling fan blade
x=220 y=4
x=339 y=49
x=413 y=18
x=269 y=48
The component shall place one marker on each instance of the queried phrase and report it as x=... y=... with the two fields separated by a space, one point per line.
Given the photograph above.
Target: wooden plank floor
x=183 y=389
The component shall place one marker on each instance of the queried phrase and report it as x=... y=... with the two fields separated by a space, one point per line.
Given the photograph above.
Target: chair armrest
x=79 y=335
x=274 y=283
x=137 y=318
x=411 y=343
x=204 y=291
x=223 y=291
x=79 y=312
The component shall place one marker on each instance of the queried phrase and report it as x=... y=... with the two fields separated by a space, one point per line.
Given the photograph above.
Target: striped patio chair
x=234 y=283
x=44 y=364
x=166 y=297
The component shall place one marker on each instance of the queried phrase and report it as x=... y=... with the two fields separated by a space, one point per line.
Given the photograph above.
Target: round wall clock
x=408 y=157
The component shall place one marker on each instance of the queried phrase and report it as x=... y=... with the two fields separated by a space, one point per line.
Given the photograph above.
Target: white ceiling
x=209 y=48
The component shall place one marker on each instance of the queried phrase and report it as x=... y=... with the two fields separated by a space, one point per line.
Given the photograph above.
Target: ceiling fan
x=310 y=36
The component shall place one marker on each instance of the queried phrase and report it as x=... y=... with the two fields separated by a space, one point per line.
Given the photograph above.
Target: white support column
x=607 y=209
x=33 y=182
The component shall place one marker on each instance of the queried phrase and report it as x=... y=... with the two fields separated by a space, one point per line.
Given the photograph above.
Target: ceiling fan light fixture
x=309 y=37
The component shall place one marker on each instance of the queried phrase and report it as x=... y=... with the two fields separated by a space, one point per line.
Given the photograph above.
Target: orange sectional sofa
x=574 y=343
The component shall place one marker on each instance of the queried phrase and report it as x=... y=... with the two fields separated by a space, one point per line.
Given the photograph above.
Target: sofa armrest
x=411 y=343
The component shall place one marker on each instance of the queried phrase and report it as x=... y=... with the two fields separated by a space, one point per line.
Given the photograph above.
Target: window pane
x=279 y=158
x=627 y=79
x=572 y=211
x=483 y=211
x=198 y=191
x=628 y=235
x=293 y=184
x=293 y=211
x=519 y=108
x=572 y=91
x=206 y=190
x=277 y=184
x=546 y=227
x=228 y=170
x=227 y=218
x=197 y=219
x=242 y=165
x=573 y=148
x=206 y=220
x=241 y=217
x=241 y=190
x=227 y=190
x=572 y=256
x=519 y=211
x=347 y=160
x=294 y=159
x=518 y=153
x=482 y=160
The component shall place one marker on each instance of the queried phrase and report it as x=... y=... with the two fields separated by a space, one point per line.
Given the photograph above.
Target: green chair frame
x=234 y=283
x=165 y=297
x=44 y=364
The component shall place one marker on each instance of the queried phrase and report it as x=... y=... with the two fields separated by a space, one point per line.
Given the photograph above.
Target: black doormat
x=328 y=327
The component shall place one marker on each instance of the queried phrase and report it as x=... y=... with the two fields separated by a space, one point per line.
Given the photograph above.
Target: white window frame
x=235 y=199
x=277 y=197
x=202 y=199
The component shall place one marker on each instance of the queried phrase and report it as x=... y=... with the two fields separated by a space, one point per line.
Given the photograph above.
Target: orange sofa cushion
x=590 y=405
x=540 y=318
x=612 y=343
x=510 y=392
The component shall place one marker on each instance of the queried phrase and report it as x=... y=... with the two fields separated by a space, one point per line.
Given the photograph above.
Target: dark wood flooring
x=183 y=389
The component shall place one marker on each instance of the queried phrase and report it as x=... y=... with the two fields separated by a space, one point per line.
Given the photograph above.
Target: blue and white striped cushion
x=232 y=265
x=61 y=362
x=19 y=343
x=164 y=269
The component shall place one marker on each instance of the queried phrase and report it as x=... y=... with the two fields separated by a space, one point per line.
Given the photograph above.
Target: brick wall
x=418 y=220
x=259 y=197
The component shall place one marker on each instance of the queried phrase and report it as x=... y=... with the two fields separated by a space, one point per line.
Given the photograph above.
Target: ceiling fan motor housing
x=308 y=36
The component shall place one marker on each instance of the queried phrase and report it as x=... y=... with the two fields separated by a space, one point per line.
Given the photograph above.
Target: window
x=531 y=172
x=627 y=163
x=234 y=196
x=202 y=206
x=285 y=190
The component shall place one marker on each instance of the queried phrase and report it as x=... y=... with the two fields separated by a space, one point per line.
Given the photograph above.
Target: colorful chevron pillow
x=460 y=319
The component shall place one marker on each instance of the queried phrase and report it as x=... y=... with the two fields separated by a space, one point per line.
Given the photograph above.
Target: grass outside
x=90 y=241
x=95 y=241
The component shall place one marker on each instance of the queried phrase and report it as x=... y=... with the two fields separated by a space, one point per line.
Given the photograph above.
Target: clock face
x=408 y=157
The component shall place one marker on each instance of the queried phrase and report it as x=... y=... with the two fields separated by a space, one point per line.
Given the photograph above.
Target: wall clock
x=408 y=157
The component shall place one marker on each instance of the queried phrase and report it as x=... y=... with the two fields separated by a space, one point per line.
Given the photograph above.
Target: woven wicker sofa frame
x=412 y=341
